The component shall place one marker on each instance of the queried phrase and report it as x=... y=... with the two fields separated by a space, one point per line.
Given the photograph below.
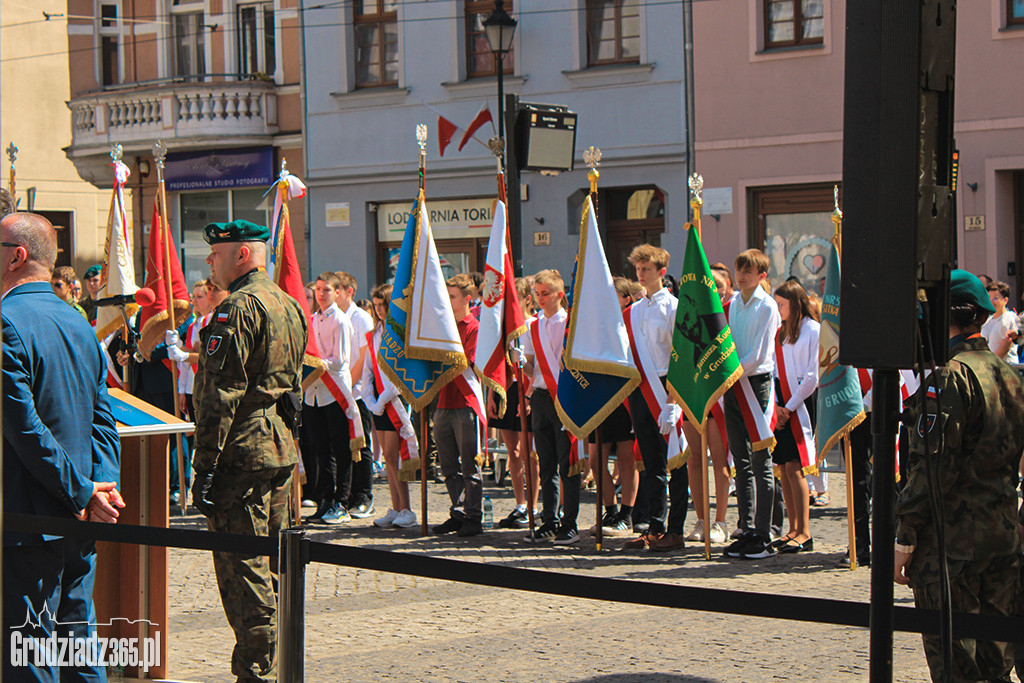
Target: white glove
x=517 y=356
x=374 y=406
x=670 y=416
x=407 y=433
x=171 y=338
x=176 y=353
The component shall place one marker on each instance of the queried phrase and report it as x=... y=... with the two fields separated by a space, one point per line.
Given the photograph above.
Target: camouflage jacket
x=251 y=354
x=975 y=430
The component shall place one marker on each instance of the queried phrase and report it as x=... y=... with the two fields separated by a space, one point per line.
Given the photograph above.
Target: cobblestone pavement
x=369 y=626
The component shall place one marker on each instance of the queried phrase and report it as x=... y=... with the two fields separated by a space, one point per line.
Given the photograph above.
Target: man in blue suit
x=61 y=453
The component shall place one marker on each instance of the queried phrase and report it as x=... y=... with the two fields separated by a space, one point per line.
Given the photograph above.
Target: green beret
x=93 y=271
x=235 y=231
x=964 y=286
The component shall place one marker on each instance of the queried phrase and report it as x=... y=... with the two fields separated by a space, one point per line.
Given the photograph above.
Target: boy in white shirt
x=361 y=496
x=754 y=320
x=323 y=419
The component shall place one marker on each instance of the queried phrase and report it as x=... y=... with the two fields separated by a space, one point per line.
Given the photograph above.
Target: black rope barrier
x=652 y=594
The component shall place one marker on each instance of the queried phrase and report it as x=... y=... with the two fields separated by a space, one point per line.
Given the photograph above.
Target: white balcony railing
x=245 y=109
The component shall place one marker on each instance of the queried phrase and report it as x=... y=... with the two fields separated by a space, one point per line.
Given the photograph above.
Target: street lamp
x=500 y=29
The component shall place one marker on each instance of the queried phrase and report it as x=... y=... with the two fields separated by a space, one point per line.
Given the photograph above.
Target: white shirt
x=551 y=330
x=802 y=363
x=754 y=324
x=362 y=324
x=186 y=375
x=655 y=318
x=995 y=329
x=333 y=334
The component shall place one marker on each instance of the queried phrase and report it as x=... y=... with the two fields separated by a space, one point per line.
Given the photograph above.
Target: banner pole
x=524 y=446
x=707 y=490
x=423 y=472
x=851 y=530
x=599 y=476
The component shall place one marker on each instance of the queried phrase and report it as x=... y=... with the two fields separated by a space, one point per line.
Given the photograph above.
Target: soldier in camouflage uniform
x=250 y=358
x=973 y=421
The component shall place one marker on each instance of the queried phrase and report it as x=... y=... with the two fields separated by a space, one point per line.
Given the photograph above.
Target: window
x=1015 y=12
x=189 y=44
x=793 y=22
x=613 y=32
x=257 y=43
x=376 y=32
x=199 y=208
x=109 y=34
x=479 y=58
x=792 y=226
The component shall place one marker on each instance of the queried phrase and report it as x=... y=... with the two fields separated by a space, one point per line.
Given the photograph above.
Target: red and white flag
x=162 y=264
x=501 y=317
x=482 y=117
x=118 y=274
x=445 y=132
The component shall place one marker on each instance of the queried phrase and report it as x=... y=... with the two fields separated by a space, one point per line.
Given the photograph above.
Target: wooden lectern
x=130 y=593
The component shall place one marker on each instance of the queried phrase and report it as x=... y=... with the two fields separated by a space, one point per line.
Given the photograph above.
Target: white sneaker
x=698 y=531
x=717 y=533
x=387 y=520
x=405 y=519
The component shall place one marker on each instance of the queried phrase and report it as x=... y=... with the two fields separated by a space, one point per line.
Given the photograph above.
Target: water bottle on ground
x=488 y=508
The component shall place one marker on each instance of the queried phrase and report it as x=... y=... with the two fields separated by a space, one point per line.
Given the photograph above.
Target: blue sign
x=220 y=169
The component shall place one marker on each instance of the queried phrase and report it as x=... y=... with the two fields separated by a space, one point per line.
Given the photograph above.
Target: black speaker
x=898 y=242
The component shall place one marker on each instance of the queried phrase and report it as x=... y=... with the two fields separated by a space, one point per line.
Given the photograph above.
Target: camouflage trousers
x=255 y=504
x=985 y=586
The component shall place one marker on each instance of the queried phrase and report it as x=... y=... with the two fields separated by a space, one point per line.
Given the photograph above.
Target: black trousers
x=328 y=435
x=654 y=451
x=553 y=450
x=362 y=471
x=860 y=456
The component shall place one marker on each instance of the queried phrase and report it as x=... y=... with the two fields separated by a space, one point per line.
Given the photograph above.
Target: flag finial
x=116 y=152
x=592 y=158
x=696 y=184
x=12 y=154
x=284 y=167
x=837 y=218
x=421 y=140
x=159 y=154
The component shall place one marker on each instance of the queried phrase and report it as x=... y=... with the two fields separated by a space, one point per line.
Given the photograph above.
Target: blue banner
x=220 y=169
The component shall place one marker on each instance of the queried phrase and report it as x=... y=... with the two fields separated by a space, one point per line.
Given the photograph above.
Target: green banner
x=840 y=402
x=704 y=362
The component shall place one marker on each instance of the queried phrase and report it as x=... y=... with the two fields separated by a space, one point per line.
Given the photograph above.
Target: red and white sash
x=408 y=448
x=760 y=424
x=654 y=393
x=799 y=422
x=114 y=380
x=342 y=393
x=543 y=356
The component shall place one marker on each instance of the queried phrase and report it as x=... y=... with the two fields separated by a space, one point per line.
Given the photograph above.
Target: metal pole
x=885 y=410
x=498 y=59
x=688 y=88
x=291 y=628
x=513 y=193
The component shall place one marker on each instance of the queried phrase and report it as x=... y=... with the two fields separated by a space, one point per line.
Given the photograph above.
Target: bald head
x=35 y=234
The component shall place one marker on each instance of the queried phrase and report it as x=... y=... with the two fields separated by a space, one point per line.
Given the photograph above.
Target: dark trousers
x=457 y=433
x=755 y=482
x=362 y=471
x=328 y=435
x=678 y=499
x=860 y=456
x=56 y=576
x=553 y=451
x=654 y=451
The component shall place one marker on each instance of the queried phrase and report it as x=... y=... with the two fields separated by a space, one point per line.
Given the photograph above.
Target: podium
x=130 y=592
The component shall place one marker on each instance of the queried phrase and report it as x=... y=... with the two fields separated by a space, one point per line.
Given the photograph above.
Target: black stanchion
x=291 y=631
x=886 y=398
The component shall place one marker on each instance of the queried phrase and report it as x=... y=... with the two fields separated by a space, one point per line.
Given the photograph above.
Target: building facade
x=375 y=69
x=769 y=131
x=36 y=121
x=218 y=81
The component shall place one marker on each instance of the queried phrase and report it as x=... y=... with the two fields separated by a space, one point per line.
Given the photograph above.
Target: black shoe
x=794 y=547
x=641 y=527
x=567 y=536
x=517 y=519
x=449 y=527
x=321 y=510
x=734 y=548
x=609 y=518
x=756 y=549
x=544 y=534
x=470 y=527
x=362 y=511
x=862 y=561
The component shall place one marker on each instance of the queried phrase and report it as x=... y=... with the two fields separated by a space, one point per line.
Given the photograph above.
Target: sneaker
x=698 y=532
x=387 y=520
x=307 y=503
x=336 y=515
x=449 y=527
x=362 y=511
x=737 y=533
x=470 y=527
x=641 y=542
x=717 y=533
x=175 y=498
x=734 y=548
x=667 y=542
x=543 y=534
x=620 y=526
x=567 y=536
x=405 y=519
x=641 y=527
x=517 y=519
x=756 y=549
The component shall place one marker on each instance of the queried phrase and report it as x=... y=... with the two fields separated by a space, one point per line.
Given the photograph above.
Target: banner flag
x=118 y=274
x=840 y=401
x=420 y=350
x=704 y=362
x=155 y=319
x=597 y=371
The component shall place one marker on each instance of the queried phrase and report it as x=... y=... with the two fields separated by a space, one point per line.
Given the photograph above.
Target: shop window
x=197 y=209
